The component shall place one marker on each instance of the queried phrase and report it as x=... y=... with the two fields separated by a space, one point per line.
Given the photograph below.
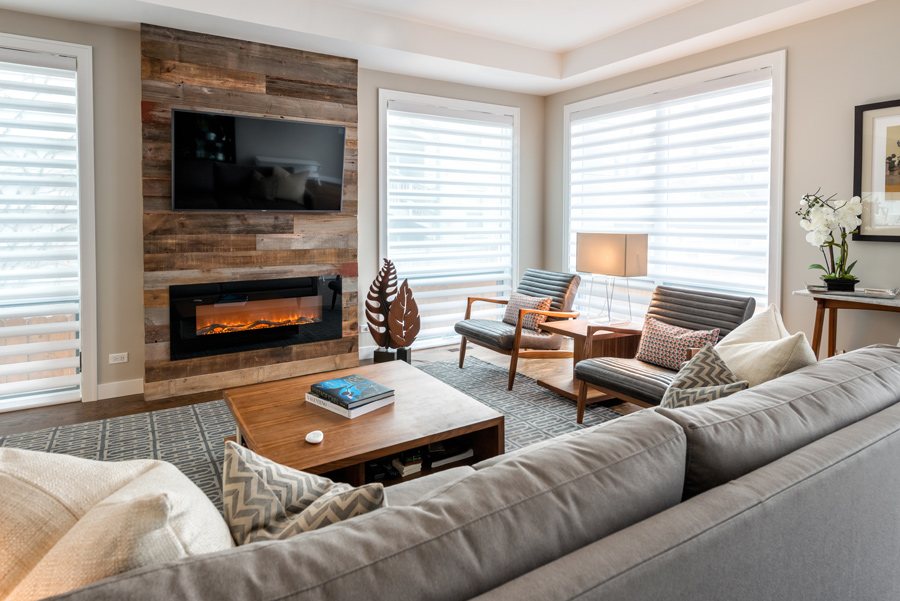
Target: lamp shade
x=618 y=255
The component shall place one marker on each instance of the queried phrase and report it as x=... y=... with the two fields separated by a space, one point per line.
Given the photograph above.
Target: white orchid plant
x=828 y=222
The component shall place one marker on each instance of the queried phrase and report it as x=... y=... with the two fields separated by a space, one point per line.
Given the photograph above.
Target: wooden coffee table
x=273 y=420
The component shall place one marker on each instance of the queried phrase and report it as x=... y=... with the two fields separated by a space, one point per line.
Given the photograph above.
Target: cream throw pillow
x=264 y=500
x=290 y=186
x=66 y=522
x=761 y=348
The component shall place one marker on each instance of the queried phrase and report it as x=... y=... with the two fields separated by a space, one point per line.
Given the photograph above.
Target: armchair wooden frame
x=516 y=352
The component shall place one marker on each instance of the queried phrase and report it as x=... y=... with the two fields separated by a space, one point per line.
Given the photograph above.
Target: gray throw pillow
x=264 y=500
x=702 y=379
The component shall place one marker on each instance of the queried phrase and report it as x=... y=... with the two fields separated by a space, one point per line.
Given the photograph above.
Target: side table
x=617 y=340
x=832 y=302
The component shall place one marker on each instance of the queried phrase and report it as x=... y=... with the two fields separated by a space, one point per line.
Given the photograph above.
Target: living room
x=823 y=60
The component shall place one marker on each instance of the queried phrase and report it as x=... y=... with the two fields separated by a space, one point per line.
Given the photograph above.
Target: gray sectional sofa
x=788 y=490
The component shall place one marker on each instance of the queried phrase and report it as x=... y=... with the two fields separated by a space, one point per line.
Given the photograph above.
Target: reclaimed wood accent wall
x=185 y=70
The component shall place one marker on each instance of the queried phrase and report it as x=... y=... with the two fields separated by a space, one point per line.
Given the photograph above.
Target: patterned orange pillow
x=523 y=301
x=667 y=346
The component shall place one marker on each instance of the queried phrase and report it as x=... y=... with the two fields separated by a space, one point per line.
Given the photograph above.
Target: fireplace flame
x=224 y=318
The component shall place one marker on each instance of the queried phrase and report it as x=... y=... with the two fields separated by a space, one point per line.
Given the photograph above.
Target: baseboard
x=112 y=390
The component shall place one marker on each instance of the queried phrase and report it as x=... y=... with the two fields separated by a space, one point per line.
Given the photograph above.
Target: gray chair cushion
x=497 y=334
x=561 y=287
x=494 y=525
x=639 y=380
x=700 y=310
x=733 y=436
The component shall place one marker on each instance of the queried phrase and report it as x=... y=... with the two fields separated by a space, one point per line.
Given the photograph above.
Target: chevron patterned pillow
x=667 y=345
x=267 y=501
x=704 y=378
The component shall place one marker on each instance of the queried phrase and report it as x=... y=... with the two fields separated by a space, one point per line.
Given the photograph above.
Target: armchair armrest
x=474 y=299
x=524 y=312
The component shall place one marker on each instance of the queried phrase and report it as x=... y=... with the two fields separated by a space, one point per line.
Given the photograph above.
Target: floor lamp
x=612 y=255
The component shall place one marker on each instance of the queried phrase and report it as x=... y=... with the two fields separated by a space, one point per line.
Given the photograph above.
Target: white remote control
x=315 y=437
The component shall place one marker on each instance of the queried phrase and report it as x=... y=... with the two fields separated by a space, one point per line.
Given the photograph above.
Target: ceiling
x=532 y=46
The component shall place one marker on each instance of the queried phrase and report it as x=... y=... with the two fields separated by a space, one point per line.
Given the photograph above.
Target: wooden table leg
x=817 y=330
x=832 y=330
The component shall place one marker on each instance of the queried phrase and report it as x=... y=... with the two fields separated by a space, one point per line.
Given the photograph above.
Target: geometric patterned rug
x=192 y=437
x=531 y=413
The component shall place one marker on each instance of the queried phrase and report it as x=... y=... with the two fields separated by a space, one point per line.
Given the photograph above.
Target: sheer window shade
x=39 y=241
x=448 y=207
x=692 y=168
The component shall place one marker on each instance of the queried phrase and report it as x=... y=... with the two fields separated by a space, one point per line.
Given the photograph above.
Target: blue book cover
x=351 y=391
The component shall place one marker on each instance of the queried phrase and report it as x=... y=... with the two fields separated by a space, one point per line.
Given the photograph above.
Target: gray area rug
x=191 y=437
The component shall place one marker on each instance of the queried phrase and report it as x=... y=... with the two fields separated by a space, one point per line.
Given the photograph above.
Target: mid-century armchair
x=518 y=341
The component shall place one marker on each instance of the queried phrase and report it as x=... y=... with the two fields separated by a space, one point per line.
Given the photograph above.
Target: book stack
x=350 y=396
x=442 y=453
x=408 y=463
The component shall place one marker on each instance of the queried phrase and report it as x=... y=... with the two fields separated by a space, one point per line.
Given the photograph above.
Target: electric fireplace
x=231 y=317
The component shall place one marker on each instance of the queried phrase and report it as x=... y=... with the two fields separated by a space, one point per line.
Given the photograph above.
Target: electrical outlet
x=364 y=328
x=118 y=358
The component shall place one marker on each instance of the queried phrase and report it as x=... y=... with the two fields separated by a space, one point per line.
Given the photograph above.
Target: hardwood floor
x=29 y=420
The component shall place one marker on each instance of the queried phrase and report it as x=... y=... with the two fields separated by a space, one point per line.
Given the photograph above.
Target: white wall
x=833 y=64
x=117 y=157
x=531 y=162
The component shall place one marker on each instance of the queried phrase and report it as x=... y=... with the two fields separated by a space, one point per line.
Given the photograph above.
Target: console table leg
x=817 y=330
x=832 y=330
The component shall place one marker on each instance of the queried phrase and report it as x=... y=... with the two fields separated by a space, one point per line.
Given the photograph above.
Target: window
x=695 y=162
x=46 y=224
x=448 y=203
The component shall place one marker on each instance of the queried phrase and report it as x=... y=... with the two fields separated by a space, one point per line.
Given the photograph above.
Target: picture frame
x=876 y=170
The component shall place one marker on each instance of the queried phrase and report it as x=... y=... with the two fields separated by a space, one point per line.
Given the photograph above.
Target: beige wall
x=833 y=64
x=531 y=162
x=117 y=156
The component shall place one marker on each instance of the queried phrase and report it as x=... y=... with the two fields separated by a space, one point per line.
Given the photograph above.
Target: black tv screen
x=245 y=164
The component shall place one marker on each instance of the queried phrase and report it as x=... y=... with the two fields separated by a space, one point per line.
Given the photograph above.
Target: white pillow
x=290 y=186
x=66 y=522
x=761 y=349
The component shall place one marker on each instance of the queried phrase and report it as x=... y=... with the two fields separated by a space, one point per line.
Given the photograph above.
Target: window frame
x=777 y=62
x=87 y=264
x=385 y=96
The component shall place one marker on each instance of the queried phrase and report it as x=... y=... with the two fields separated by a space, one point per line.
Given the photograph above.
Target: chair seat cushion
x=499 y=335
x=639 y=380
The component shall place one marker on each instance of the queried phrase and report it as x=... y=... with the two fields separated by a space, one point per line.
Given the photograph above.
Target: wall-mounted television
x=248 y=164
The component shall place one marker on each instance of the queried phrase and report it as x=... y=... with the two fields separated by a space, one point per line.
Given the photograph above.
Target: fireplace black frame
x=185 y=343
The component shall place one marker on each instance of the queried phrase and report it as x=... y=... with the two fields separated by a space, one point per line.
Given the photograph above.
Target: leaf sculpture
x=378 y=303
x=404 y=319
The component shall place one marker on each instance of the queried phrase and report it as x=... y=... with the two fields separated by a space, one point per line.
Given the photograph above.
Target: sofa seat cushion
x=643 y=381
x=66 y=522
x=497 y=334
x=494 y=525
x=738 y=434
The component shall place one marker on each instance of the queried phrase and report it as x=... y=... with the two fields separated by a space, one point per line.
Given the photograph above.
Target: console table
x=834 y=301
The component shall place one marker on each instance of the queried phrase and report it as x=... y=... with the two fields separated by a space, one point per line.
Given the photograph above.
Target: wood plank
x=160 y=370
x=221 y=223
x=158 y=113
x=221 y=243
x=202 y=75
x=156 y=316
x=156 y=132
x=157 y=204
x=161 y=169
x=307 y=241
x=280 y=371
x=162 y=279
x=280 y=86
x=156 y=298
x=155 y=334
x=262 y=258
x=189 y=47
x=156 y=352
x=264 y=105
x=156 y=150
x=156 y=186
x=161 y=91
x=338 y=223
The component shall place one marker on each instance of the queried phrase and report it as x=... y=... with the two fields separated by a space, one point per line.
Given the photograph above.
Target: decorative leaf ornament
x=403 y=320
x=378 y=303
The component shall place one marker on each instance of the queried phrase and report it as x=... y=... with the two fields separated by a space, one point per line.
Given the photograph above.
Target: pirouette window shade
x=39 y=237
x=691 y=167
x=449 y=208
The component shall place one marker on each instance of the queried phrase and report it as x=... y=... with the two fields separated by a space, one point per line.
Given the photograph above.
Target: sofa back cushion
x=490 y=527
x=733 y=436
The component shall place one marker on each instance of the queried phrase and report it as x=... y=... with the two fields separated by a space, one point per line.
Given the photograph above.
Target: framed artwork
x=876 y=170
